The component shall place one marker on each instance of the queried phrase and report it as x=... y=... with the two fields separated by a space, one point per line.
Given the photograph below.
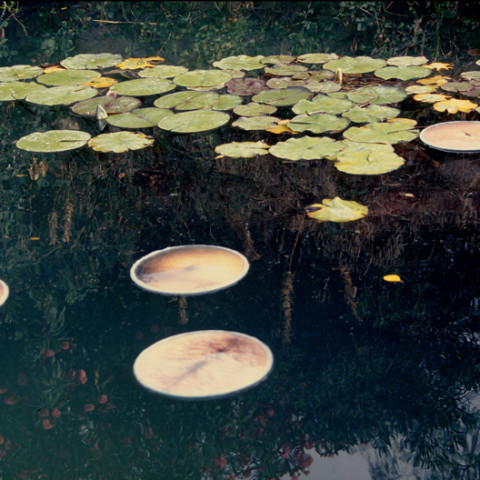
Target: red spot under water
x=11 y=400
x=46 y=424
x=43 y=412
x=88 y=407
x=64 y=345
x=82 y=376
x=148 y=433
x=48 y=353
x=102 y=399
x=56 y=412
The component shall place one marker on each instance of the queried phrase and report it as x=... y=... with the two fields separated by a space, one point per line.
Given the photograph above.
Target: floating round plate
x=456 y=137
x=203 y=364
x=189 y=270
x=4 y=292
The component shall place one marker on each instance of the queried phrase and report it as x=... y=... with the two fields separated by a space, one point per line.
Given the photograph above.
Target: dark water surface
x=372 y=380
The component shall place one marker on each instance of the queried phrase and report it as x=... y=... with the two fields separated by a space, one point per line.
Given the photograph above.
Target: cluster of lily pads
x=319 y=94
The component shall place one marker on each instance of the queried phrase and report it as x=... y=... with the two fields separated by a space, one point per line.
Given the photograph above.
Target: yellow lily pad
x=454 y=105
x=336 y=210
x=392 y=278
x=136 y=63
x=430 y=97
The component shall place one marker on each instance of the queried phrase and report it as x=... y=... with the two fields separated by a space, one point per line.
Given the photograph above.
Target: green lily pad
x=227 y=102
x=367 y=159
x=140 y=118
x=194 y=121
x=111 y=105
x=380 y=94
x=323 y=87
x=336 y=210
x=53 y=141
x=284 y=82
x=282 y=97
x=209 y=79
x=274 y=59
x=370 y=113
x=62 y=95
x=91 y=61
x=314 y=75
x=456 y=86
x=306 y=148
x=262 y=122
x=254 y=109
x=19 y=72
x=67 y=77
x=17 y=90
x=407 y=61
x=403 y=73
x=391 y=132
x=317 y=123
x=163 y=71
x=240 y=62
x=473 y=76
x=360 y=64
x=242 y=149
x=246 y=86
x=119 y=142
x=317 y=57
x=322 y=104
x=143 y=86
x=284 y=70
x=187 y=100
x=415 y=89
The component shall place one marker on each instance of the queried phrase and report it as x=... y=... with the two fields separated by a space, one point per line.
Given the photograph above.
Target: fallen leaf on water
x=392 y=278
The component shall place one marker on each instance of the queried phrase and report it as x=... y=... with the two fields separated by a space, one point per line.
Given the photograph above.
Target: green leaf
x=111 y=105
x=254 y=109
x=306 y=148
x=240 y=62
x=360 y=64
x=317 y=123
x=284 y=70
x=53 y=141
x=274 y=59
x=282 y=97
x=62 y=95
x=67 y=77
x=17 y=90
x=187 y=100
x=242 y=149
x=370 y=113
x=336 y=210
x=119 y=142
x=403 y=73
x=367 y=159
x=322 y=104
x=262 y=122
x=227 y=102
x=140 y=118
x=91 y=61
x=407 y=61
x=378 y=132
x=19 y=72
x=163 y=71
x=208 y=79
x=143 y=86
x=194 y=121
x=246 y=86
x=380 y=95
x=317 y=57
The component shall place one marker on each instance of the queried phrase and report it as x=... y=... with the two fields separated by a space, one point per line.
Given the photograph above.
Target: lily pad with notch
x=17 y=90
x=187 y=100
x=91 y=61
x=19 y=72
x=143 y=87
x=317 y=57
x=240 y=62
x=370 y=113
x=403 y=72
x=352 y=65
x=246 y=86
x=381 y=94
x=261 y=122
x=119 y=142
x=336 y=210
x=140 y=118
x=242 y=149
x=205 y=79
x=111 y=104
x=318 y=123
x=322 y=104
x=53 y=141
x=163 y=71
x=67 y=77
x=254 y=109
x=282 y=97
x=306 y=148
x=62 y=95
x=391 y=132
x=194 y=121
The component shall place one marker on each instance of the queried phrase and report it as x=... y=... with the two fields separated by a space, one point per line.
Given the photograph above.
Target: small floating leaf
x=67 y=77
x=274 y=59
x=282 y=97
x=381 y=94
x=143 y=86
x=392 y=278
x=360 y=64
x=242 y=149
x=456 y=86
x=430 y=97
x=262 y=122
x=284 y=70
x=19 y=72
x=254 y=109
x=367 y=159
x=163 y=71
x=62 y=95
x=89 y=61
x=227 y=102
x=407 y=61
x=240 y=62
x=119 y=142
x=322 y=104
x=336 y=210
x=453 y=105
x=402 y=73
x=140 y=118
x=53 y=141
x=101 y=82
x=213 y=79
x=17 y=90
x=414 y=89
x=136 y=63
x=111 y=104
x=306 y=148
x=194 y=121
x=437 y=80
x=318 y=123
x=378 y=132
x=370 y=113
x=317 y=57
x=187 y=100
x=438 y=66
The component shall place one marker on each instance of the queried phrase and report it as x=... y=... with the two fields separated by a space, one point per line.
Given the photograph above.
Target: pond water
x=371 y=379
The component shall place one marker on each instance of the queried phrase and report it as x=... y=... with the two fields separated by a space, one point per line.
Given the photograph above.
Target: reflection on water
x=370 y=378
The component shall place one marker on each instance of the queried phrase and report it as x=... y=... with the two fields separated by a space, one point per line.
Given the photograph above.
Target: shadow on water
x=382 y=376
